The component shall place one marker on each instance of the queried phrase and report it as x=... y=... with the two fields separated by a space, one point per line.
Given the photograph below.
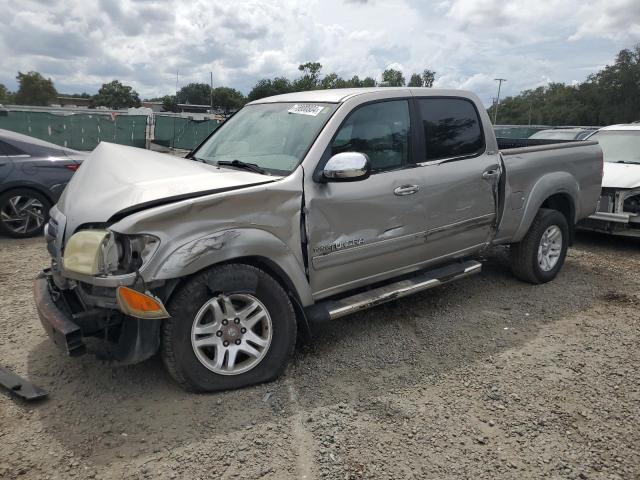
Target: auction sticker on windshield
x=306 y=109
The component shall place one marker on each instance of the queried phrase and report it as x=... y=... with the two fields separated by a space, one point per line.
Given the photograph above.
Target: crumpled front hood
x=621 y=175
x=115 y=180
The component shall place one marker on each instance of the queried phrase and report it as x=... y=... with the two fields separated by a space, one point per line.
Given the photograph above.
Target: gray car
x=299 y=209
x=33 y=174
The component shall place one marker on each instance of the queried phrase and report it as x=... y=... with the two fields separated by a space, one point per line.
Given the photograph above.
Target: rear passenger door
x=458 y=177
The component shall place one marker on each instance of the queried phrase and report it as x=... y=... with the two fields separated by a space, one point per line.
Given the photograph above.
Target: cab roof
x=339 y=95
x=623 y=126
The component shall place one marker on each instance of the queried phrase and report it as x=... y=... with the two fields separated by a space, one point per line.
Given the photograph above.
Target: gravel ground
x=484 y=378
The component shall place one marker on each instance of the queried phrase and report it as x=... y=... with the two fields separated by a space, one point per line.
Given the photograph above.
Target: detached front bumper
x=120 y=339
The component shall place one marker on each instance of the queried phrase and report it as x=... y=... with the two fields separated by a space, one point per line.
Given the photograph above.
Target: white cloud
x=84 y=43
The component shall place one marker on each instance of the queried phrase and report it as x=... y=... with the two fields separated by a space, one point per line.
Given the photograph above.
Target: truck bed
x=576 y=164
x=505 y=143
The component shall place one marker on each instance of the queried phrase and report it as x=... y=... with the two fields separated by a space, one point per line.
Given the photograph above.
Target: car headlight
x=103 y=252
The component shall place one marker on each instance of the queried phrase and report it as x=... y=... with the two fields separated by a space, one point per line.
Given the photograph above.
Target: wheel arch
x=563 y=203
x=8 y=187
x=557 y=191
x=243 y=245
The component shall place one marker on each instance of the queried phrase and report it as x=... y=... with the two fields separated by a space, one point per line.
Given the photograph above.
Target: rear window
x=451 y=128
x=555 y=135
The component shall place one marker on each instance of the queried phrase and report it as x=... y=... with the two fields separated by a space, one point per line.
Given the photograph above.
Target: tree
x=415 y=81
x=425 y=79
x=169 y=103
x=428 y=77
x=368 y=82
x=332 y=80
x=227 y=99
x=195 y=94
x=310 y=79
x=5 y=95
x=268 y=87
x=115 y=95
x=392 y=78
x=34 y=89
x=609 y=96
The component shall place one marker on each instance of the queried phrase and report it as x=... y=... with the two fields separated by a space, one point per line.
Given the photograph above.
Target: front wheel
x=540 y=255
x=230 y=327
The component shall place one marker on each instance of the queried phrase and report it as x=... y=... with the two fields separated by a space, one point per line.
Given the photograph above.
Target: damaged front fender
x=234 y=245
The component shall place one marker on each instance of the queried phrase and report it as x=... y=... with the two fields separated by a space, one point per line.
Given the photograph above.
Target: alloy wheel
x=22 y=214
x=549 y=248
x=231 y=334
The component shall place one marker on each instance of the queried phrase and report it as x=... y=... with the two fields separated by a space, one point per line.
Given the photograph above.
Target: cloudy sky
x=81 y=44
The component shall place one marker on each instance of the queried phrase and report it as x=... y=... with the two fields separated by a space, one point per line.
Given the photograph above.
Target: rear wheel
x=230 y=327
x=23 y=213
x=540 y=255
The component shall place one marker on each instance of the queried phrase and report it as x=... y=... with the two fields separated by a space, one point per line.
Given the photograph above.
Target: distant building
x=64 y=101
x=156 y=107
x=189 y=108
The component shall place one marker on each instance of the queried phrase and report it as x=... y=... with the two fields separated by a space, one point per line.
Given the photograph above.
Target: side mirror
x=347 y=167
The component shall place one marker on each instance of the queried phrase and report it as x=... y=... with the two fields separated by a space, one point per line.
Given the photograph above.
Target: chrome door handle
x=406 y=190
x=487 y=174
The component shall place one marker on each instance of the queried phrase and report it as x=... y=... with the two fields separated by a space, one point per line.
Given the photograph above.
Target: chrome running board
x=338 y=308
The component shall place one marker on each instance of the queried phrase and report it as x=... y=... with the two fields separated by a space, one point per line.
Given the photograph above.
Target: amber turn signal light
x=140 y=305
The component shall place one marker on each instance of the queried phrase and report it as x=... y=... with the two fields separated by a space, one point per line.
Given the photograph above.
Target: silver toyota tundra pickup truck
x=300 y=208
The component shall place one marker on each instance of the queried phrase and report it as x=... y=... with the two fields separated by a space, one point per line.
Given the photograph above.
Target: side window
x=8 y=149
x=379 y=130
x=451 y=128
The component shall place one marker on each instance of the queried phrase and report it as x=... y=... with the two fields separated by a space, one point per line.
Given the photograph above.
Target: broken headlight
x=103 y=252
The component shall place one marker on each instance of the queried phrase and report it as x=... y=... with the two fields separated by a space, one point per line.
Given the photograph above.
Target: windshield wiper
x=632 y=162
x=252 y=167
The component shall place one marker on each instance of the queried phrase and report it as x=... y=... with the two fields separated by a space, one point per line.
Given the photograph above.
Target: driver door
x=369 y=230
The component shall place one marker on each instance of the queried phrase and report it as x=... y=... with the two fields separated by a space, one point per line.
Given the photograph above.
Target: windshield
x=619 y=145
x=555 y=135
x=273 y=136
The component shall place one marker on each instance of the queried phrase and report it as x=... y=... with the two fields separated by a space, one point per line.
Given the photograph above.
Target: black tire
x=178 y=353
x=8 y=228
x=524 y=255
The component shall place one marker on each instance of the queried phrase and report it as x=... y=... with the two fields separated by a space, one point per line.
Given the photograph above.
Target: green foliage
x=368 y=82
x=425 y=79
x=428 y=77
x=609 y=96
x=115 y=95
x=227 y=99
x=34 y=89
x=5 y=95
x=195 y=94
x=311 y=79
x=415 y=81
x=268 y=87
x=169 y=103
x=392 y=78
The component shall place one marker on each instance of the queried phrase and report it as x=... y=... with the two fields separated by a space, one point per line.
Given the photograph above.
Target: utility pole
x=211 y=92
x=495 y=112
